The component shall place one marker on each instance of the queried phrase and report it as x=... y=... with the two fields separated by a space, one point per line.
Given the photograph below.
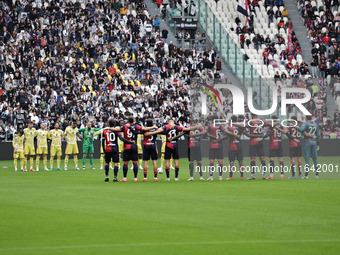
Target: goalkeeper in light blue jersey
x=312 y=136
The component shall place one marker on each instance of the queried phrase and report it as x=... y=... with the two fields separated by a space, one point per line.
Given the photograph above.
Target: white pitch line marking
x=166 y=243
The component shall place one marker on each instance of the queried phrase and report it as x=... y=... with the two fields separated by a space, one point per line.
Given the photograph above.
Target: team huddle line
x=123 y=139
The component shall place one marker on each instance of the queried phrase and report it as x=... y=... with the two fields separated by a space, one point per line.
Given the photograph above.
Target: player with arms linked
x=295 y=149
x=129 y=136
x=235 y=146
x=149 y=151
x=110 y=148
x=312 y=136
x=275 y=146
x=256 y=145
x=172 y=133
x=194 y=151
x=215 y=148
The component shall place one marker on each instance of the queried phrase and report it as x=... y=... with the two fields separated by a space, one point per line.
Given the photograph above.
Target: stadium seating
x=227 y=13
x=69 y=72
x=49 y=77
x=322 y=19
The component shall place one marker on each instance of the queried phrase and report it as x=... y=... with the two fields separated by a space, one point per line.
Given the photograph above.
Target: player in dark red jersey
x=256 y=148
x=150 y=151
x=235 y=147
x=194 y=151
x=295 y=148
x=171 y=150
x=110 y=147
x=215 y=148
x=275 y=146
x=130 y=149
x=129 y=134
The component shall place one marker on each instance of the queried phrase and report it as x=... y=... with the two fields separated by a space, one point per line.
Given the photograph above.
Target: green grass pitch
x=75 y=212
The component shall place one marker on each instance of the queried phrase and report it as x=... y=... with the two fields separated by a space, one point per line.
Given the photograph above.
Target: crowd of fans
x=276 y=49
x=321 y=22
x=279 y=19
x=323 y=33
x=62 y=61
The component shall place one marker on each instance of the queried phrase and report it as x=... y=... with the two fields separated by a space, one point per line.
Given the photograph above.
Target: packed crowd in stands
x=323 y=31
x=321 y=21
x=63 y=60
x=277 y=16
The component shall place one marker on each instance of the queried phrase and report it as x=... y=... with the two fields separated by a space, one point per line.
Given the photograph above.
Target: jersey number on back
x=258 y=130
x=172 y=134
x=312 y=130
x=277 y=133
x=218 y=134
x=129 y=133
x=295 y=133
x=111 y=137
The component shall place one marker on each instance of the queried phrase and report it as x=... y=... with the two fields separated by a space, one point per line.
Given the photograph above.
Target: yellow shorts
x=29 y=150
x=163 y=147
x=42 y=151
x=71 y=149
x=121 y=148
x=140 y=150
x=55 y=150
x=19 y=154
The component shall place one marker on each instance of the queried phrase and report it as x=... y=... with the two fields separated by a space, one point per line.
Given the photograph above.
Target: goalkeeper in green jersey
x=88 y=143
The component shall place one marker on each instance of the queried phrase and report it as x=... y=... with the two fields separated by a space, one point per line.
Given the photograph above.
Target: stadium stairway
x=306 y=46
x=299 y=29
x=153 y=11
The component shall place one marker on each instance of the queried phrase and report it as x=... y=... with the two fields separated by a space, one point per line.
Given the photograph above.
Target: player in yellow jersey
x=71 y=133
x=102 y=154
x=120 y=144
x=42 y=135
x=160 y=169
x=18 y=145
x=140 y=152
x=55 y=136
x=29 y=149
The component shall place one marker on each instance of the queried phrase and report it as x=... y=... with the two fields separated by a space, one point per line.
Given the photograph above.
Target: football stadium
x=169 y=127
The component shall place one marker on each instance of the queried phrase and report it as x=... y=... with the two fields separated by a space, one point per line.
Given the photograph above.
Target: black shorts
x=216 y=153
x=276 y=152
x=194 y=153
x=235 y=154
x=171 y=152
x=112 y=156
x=150 y=151
x=256 y=150
x=130 y=154
x=295 y=151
